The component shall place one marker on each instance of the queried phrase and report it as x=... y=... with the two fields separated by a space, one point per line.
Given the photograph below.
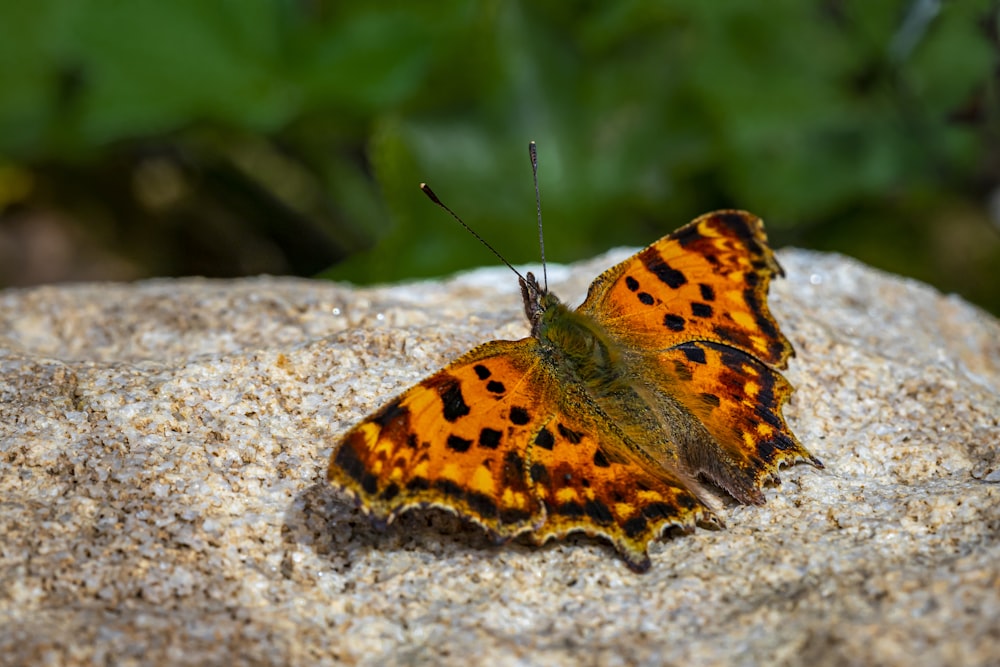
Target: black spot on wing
x=489 y=438
x=539 y=473
x=481 y=371
x=634 y=527
x=674 y=322
x=598 y=512
x=707 y=292
x=519 y=416
x=572 y=510
x=646 y=298
x=701 y=309
x=710 y=399
x=656 y=511
x=574 y=437
x=766 y=450
x=687 y=235
x=480 y=504
x=693 y=352
x=347 y=459
x=369 y=483
x=450 y=391
x=389 y=413
x=665 y=273
x=783 y=442
x=495 y=387
x=686 y=501
x=600 y=460
x=631 y=283
x=545 y=440
x=457 y=444
x=513 y=471
x=741 y=226
x=418 y=484
x=765 y=396
x=768 y=417
x=766 y=325
x=450 y=488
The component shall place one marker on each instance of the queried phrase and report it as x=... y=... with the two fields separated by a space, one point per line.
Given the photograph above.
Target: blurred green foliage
x=282 y=136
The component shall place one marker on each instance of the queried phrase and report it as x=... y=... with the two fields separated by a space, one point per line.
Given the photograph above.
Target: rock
x=162 y=457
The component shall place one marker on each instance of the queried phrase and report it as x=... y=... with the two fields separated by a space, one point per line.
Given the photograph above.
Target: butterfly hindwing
x=738 y=399
x=590 y=482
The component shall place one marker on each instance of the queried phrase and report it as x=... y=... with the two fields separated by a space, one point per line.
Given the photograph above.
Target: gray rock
x=163 y=448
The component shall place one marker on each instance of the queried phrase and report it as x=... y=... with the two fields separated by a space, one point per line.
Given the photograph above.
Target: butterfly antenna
x=533 y=154
x=434 y=198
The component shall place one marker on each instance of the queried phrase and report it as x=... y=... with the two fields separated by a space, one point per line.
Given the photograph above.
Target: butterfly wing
x=590 y=481
x=738 y=399
x=458 y=440
x=692 y=308
x=707 y=281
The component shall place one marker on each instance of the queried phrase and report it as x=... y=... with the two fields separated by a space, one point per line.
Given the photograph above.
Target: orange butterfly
x=608 y=418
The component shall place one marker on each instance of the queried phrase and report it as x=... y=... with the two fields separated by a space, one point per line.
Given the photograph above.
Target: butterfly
x=610 y=419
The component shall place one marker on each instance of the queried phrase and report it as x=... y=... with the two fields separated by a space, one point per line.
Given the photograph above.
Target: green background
x=221 y=138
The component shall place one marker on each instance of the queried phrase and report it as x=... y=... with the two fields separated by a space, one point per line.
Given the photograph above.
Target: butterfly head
x=537 y=302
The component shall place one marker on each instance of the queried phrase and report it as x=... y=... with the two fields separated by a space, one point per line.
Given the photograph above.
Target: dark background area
x=231 y=138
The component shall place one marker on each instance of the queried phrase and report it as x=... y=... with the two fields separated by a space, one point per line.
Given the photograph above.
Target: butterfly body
x=608 y=418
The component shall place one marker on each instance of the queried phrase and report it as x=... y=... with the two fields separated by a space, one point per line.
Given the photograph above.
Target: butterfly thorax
x=573 y=341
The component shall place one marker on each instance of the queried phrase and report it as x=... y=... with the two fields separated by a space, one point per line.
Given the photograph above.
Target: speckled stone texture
x=162 y=454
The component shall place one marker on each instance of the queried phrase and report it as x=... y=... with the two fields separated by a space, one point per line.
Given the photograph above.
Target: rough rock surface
x=162 y=453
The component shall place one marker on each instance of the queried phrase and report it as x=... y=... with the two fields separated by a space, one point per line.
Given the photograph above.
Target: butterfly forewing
x=707 y=281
